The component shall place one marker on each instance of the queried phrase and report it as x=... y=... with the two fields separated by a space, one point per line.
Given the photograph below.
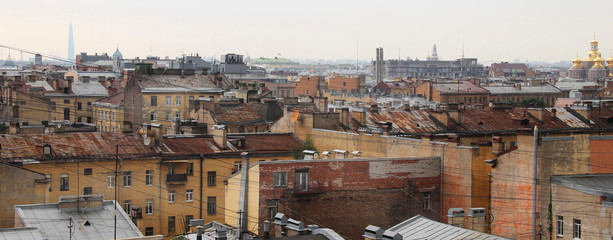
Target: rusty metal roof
x=416 y=121
x=254 y=142
x=461 y=87
x=178 y=83
x=236 y=114
x=73 y=145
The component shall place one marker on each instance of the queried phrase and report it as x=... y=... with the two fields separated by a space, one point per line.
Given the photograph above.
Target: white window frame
x=178 y=101
x=279 y=179
x=427 y=200
x=110 y=181
x=576 y=228
x=149 y=177
x=149 y=207
x=172 y=196
x=127 y=179
x=189 y=195
x=560 y=226
x=127 y=206
x=168 y=100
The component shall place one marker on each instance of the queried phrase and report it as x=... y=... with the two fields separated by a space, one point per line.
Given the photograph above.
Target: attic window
x=87 y=223
x=480 y=123
x=47 y=149
x=525 y=121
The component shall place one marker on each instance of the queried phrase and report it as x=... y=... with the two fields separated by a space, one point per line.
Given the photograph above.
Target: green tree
x=307 y=144
x=532 y=102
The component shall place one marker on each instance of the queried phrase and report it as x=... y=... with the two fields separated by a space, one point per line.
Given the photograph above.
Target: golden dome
x=592 y=55
x=576 y=63
x=611 y=75
x=610 y=60
x=594 y=41
x=598 y=62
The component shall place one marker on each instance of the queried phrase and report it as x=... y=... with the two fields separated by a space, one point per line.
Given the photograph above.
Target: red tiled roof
x=80 y=145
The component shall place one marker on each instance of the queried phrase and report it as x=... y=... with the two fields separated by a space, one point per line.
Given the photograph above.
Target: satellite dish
x=295 y=115
x=146 y=141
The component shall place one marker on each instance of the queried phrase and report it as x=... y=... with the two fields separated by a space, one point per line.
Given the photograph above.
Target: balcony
x=311 y=188
x=176 y=178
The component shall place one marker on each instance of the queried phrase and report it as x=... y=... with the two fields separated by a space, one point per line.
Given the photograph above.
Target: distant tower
x=38 y=59
x=434 y=56
x=71 y=55
x=379 y=65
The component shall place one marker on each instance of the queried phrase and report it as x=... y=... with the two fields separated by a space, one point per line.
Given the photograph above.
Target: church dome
x=610 y=61
x=576 y=63
x=117 y=54
x=598 y=62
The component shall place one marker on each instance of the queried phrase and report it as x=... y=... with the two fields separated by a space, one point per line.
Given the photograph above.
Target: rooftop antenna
x=357 y=54
x=462 y=48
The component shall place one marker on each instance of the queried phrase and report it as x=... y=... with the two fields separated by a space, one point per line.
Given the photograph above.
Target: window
x=110 y=181
x=280 y=179
x=67 y=101
x=64 y=182
x=560 y=226
x=308 y=92
x=79 y=106
x=48 y=176
x=89 y=119
x=427 y=201
x=211 y=205
x=512 y=144
x=504 y=146
x=188 y=218
x=171 y=224
x=178 y=115
x=344 y=84
x=171 y=169
x=127 y=206
x=178 y=100
x=211 y=178
x=149 y=231
x=171 y=196
x=189 y=195
x=168 y=101
x=168 y=116
x=87 y=191
x=272 y=208
x=149 y=177
x=190 y=169
x=191 y=98
x=127 y=179
x=149 y=206
x=87 y=171
x=576 y=228
x=302 y=179
x=154 y=116
x=66 y=113
x=154 y=100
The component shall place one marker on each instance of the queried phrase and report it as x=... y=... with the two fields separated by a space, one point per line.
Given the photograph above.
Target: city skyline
x=550 y=31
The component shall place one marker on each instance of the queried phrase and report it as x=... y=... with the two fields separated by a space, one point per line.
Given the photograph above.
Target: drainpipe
x=201 y=183
x=534 y=183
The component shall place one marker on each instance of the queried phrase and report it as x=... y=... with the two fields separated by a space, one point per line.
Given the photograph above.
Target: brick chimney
x=476 y=219
x=321 y=103
x=496 y=145
x=360 y=115
x=80 y=203
x=584 y=110
x=536 y=112
x=344 y=117
x=455 y=217
x=219 y=135
x=373 y=233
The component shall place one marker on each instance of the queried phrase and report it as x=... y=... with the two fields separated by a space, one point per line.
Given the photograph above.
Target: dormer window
x=47 y=149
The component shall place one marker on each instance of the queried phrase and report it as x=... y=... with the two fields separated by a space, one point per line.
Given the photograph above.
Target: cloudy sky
x=541 y=30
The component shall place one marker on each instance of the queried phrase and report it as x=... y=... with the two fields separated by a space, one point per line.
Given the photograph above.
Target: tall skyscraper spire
x=71 y=55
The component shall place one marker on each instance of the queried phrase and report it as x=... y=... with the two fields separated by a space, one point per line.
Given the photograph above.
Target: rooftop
x=595 y=184
x=420 y=227
x=460 y=87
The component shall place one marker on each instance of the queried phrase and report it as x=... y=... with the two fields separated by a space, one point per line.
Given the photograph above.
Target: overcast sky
x=490 y=30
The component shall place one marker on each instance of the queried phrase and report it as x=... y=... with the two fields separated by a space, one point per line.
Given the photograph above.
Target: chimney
x=85 y=79
x=154 y=133
x=280 y=224
x=360 y=116
x=221 y=234
x=82 y=203
x=536 y=112
x=243 y=211
x=554 y=113
x=295 y=227
x=455 y=114
x=391 y=235
x=476 y=219
x=374 y=108
x=584 y=110
x=321 y=103
x=341 y=154
x=310 y=154
x=344 y=116
x=266 y=229
x=219 y=136
x=441 y=116
x=496 y=145
x=373 y=233
x=455 y=217
x=199 y=233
